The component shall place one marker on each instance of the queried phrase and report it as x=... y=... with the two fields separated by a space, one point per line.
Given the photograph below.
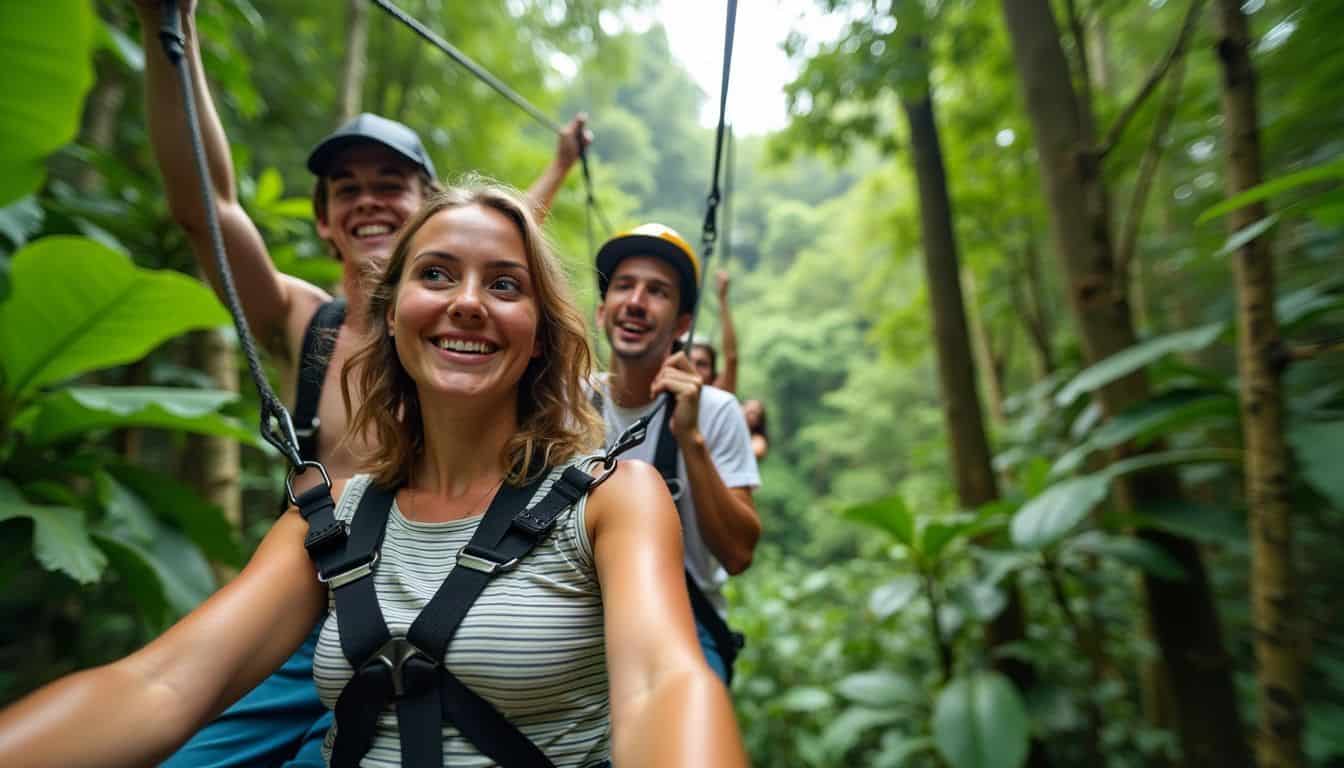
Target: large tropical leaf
x=844 y=732
x=203 y=523
x=1129 y=360
x=74 y=411
x=889 y=514
x=45 y=70
x=60 y=538
x=1158 y=416
x=979 y=721
x=1331 y=171
x=1318 y=446
x=79 y=306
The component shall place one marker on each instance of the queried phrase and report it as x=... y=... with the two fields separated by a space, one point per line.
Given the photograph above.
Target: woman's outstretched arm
x=667 y=706
x=137 y=710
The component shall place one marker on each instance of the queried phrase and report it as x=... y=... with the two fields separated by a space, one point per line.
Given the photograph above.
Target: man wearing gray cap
x=372 y=175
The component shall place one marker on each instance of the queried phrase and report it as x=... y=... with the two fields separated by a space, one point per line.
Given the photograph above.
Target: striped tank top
x=532 y=644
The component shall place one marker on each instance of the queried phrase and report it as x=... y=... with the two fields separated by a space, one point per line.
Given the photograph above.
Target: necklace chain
x=477 y=507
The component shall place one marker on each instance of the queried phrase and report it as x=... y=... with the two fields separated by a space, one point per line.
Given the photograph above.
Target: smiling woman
x=472 y=304
x=472 y=375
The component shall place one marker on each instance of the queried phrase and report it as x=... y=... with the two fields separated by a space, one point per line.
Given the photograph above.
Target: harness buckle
x=481 y=560
x=353 y=573
x=395 y=655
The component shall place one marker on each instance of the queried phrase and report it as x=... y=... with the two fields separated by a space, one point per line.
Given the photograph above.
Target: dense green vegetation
x=870 y=603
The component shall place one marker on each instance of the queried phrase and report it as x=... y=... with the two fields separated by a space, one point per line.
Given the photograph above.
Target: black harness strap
x=318 y=342
x=728 y=642
x=409 y=672
x=665 y=453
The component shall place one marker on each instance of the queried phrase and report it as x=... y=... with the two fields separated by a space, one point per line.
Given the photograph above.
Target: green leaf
x=292 y=208
x=844 y=732
x=894 y=596
x=889 y=514
x=124 y=510
x=878 y=688
x=129 y=562
x=979 y=721
x=79 y=306
x=1327 y=172
x=1307 y=303
x=1129 y=360
x=1202 y=522
x=935 y=536
x=60 y=539
x=269 y=187
x=204 y=523
x=1158 y=416
x=20 y=219
x=805 y=699
x=1048 y=517
x=897 y=749
x=76 y=411
x=178 y=566
x=1146 y=461
x=45 y=70
x=1318 y=446
x=1131 y=551
x=1246 y=234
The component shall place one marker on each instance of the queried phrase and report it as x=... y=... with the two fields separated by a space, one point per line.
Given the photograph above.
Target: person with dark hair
x=370 y=176
x=703 y=355
x=647 y=279
x=754 y=412
x=471 y=376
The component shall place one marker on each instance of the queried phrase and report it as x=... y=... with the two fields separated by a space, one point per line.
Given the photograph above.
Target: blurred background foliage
x=867 y=602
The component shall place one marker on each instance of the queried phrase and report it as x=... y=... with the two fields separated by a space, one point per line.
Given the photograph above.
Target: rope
x=637 y=431
x=471 y=66
x=513 y=96
x=277 y=428
x=709 y=232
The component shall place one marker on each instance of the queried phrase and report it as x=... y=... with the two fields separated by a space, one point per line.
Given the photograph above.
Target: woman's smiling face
x=465 y=319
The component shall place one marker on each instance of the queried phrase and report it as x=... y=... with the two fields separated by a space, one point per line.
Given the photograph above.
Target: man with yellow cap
x=649 y=281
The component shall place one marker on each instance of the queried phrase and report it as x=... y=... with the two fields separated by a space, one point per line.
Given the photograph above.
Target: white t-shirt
x=729 y=444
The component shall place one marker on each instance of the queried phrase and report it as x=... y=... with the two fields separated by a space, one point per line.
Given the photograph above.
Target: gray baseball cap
x=369 y=127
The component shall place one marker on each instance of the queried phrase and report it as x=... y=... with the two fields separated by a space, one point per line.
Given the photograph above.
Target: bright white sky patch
x=760 y=69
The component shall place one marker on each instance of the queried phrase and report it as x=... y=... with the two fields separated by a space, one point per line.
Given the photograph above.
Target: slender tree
x=968 y=447
x=356 y=58
x=1183 y=614
x=1274 y=607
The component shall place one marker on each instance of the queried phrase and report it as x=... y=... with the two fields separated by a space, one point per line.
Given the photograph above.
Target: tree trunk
x=101 y=110
x=212 y=463
x=1033 y=311
x=1274 y=602
x=1183 y=614
x=968 y=447
x=356 y=59
x=987 y=358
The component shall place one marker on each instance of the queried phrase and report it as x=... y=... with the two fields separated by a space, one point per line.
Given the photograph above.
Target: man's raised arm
x=570 y=143
x=261 y=288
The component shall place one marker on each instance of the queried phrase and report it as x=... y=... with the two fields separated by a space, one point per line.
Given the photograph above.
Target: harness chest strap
x=409 y=671
x=319 y=340
x=665 y=453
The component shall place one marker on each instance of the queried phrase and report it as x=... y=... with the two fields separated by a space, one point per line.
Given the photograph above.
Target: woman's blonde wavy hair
x=556 y=420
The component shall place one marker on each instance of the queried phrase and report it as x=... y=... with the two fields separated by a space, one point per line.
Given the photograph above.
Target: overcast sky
x=759 y=69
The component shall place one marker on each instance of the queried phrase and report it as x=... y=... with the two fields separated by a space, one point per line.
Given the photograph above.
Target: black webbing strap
x=726 y=640
x=409 y=671
x=315 y=356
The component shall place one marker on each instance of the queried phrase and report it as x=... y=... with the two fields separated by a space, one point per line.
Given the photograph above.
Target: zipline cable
x=504 y=90
x=277 y=427
x=637 y=431
x=471 y=66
